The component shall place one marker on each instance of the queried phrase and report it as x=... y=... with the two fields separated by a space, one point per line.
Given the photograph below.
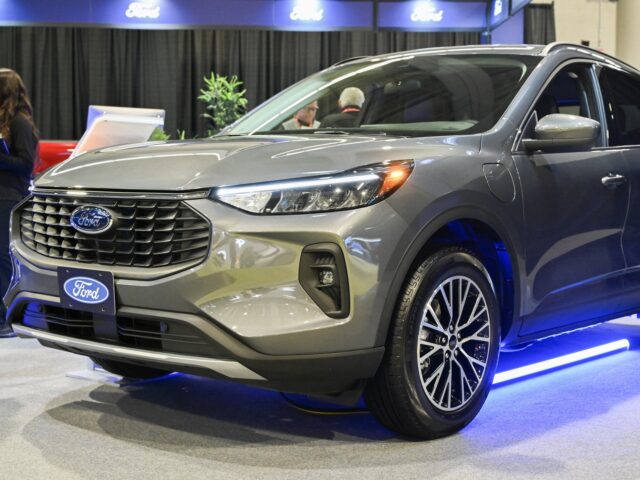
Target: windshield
x=422 y=95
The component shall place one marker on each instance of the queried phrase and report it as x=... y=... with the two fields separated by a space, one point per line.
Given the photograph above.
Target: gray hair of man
x=351 y=96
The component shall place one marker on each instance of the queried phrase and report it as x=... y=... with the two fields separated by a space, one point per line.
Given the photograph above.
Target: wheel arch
x=483 y=234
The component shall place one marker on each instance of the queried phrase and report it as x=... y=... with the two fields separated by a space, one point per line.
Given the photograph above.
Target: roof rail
x=348 y=60
x=556 y=45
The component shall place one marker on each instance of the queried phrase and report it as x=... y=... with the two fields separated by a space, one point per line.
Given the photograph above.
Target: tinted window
x=621 y=93
x=569 y=92
x=408 y=94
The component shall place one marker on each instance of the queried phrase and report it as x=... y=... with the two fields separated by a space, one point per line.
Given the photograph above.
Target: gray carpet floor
x=581 y=422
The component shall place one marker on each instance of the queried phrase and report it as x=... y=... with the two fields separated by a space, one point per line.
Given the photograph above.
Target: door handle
x=612 y=181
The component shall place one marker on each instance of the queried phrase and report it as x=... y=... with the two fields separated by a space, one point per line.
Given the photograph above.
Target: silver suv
x=479 y=198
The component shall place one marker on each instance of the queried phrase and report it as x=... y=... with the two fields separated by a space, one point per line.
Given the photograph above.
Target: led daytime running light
x=343 y=191
x=295 y=184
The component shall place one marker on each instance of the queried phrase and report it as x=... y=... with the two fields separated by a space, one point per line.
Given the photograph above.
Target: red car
x=53 y=152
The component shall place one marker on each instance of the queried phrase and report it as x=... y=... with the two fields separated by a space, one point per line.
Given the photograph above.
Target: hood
x=199 y=164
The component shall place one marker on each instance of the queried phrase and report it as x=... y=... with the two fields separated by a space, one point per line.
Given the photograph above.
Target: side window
x=621 y=92
x=570 y=91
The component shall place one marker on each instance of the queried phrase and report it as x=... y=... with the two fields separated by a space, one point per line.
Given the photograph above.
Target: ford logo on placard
x=91 y=220
x=86 y=290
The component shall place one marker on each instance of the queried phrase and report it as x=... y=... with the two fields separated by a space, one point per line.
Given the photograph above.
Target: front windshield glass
x=409 y=94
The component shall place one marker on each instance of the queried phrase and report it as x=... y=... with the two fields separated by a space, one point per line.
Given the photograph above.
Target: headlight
x=352 y=189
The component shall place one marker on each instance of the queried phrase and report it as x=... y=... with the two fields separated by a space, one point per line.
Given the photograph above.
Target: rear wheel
x=442 y=350
x=129 y=370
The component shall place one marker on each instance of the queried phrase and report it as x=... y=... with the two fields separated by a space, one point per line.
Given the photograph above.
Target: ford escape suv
x=482 y=200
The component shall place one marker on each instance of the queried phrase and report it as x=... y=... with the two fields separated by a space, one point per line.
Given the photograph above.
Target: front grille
x=147 y=233
x=152 y=334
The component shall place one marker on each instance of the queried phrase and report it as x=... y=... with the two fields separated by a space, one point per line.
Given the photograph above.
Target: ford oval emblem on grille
x=86 y=290
x=91 y=220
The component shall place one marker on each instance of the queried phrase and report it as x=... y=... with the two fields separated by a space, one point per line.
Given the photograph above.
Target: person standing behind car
x=17 y=160
x=350 y=103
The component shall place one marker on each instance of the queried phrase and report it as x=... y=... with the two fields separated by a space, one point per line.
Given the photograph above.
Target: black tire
x=396 y=395
x=129 y=370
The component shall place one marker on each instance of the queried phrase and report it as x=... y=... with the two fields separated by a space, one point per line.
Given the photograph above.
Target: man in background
x=350 y=103
x=304 y=118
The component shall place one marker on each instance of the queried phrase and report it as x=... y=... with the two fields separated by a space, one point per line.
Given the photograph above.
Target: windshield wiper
x=332 y=131
x=338 y=131
x=360 y=131
x=305 y=131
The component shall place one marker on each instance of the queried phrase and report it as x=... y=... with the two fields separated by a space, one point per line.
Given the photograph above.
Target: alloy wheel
x=453 y=343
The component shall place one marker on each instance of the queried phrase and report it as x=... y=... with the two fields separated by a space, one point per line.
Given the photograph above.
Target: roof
x=533 y=50
x=509 y=49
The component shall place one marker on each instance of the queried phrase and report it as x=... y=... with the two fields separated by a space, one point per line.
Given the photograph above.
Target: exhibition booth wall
x=67 y=69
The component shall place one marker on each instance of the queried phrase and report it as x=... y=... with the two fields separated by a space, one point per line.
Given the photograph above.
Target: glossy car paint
x=562 y=231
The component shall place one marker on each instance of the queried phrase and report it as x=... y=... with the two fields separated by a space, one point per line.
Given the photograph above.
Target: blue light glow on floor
x=611 y=347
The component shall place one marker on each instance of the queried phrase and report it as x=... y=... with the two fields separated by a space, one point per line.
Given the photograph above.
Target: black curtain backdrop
x=539 y=24
x=68 y=69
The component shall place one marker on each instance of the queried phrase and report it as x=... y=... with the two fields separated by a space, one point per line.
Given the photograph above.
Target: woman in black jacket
x=16 y=164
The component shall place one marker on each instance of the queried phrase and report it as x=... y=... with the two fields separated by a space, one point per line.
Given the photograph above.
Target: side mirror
x=559 y=130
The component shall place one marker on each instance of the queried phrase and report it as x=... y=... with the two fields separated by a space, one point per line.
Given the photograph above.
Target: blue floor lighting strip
x=617 y=346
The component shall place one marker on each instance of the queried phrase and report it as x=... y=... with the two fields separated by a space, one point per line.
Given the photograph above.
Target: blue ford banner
x=432 y=15
x=511 y=31
x=518 y=5
x=271 y=14
x=305 y=15
x=87 y=290
x=320 y=14
x=498 y=12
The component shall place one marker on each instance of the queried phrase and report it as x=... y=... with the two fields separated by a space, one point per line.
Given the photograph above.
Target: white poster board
x=110 y=126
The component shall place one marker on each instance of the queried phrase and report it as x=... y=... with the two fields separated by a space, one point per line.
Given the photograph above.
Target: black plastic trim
x=308 y=278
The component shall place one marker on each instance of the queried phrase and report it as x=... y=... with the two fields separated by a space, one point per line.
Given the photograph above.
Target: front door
x=573 y=221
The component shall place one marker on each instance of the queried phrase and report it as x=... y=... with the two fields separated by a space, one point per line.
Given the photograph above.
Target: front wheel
x=442 y=349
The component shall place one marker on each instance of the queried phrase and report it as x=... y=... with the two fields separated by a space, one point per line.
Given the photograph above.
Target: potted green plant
x=225 y=102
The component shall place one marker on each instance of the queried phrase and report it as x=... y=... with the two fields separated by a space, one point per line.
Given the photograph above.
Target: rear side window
x=621 y=91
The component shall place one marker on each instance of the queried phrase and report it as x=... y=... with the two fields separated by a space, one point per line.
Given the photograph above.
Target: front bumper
x=319 y=374
x=253 y=320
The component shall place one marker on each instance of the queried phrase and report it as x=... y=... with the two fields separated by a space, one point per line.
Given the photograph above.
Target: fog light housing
x=326 y=277
x=323 y=275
